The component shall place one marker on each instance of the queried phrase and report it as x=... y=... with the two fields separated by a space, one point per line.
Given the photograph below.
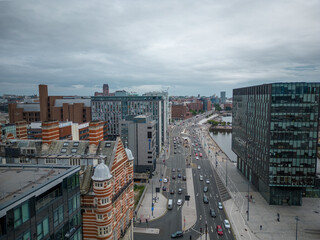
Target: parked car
x=220 y=205
x=177 y=234
x=179 y=169
x=212 y=213
x=205 y=189
x=201 y=178
x=184 y=178
x=179 y=202
x=226 y=223
x=219 y=230
x=173 y=169
x=173 y=177
x=179 y=175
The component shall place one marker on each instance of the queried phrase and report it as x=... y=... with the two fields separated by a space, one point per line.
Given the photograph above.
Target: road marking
x=211 y=228
x=210 y=195
x=200 y=217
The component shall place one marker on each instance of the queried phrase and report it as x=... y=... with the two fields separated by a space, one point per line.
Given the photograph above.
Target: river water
x=223 y=139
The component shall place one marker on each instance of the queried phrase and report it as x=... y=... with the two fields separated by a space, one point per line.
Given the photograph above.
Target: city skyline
x=141 y=47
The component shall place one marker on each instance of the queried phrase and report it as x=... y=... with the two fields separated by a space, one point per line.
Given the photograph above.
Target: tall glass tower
x=275 y=135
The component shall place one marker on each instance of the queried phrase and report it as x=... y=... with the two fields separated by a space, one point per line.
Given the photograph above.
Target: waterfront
x=223 y=139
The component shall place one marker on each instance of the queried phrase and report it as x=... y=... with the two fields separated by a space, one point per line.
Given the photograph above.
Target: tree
x=217 y=107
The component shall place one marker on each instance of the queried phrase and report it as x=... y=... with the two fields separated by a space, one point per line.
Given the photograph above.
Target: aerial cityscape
x=125 y=120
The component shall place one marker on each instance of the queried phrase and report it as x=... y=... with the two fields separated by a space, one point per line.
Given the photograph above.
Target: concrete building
x=40 y=202
x=52 y=108
x=114 y=109
x=275 y=135
x=139 y=135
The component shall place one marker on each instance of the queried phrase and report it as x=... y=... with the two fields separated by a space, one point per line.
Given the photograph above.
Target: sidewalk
x=260 y=212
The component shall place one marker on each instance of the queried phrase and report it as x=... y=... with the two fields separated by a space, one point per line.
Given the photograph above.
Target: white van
x=170 y=204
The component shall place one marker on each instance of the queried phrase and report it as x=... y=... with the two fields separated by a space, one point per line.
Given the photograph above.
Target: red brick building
x=52 y=108
x=107 y=197
x=21 y=130
x=178 y=112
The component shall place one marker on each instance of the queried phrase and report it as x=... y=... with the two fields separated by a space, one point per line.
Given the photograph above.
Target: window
x=63 y=150
x=74 y=150
x=51 y=161
x=42 y=229
x=103 y=231
x=21 y=214
x=74 y=203
x=98 y=184
x=99 y=217
x=25 y=236
x=65 y=144
x=104 y=200
x=58 y=216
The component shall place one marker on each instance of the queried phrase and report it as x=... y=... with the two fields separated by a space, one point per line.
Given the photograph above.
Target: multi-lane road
x=172 y=221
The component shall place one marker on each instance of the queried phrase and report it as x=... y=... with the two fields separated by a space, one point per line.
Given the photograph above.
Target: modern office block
x=275 y=135
x=40 y=202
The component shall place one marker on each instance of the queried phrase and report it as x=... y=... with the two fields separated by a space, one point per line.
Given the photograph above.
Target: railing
x=115 y=197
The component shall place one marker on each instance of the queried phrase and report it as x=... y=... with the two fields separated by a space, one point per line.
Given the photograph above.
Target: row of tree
x=216 y=123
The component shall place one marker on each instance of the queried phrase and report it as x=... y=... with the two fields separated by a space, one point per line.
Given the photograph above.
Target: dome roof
x=101 y=173
x=129 y=154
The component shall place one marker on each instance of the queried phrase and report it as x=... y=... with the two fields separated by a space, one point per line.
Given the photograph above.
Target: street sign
x=152 y=209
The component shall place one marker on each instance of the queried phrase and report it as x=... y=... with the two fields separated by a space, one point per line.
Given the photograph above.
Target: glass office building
x=275 y=135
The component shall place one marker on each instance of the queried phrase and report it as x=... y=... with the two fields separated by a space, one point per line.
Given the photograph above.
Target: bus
x=170 y=204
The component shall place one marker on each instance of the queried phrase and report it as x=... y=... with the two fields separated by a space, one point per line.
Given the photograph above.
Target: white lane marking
x=200 y=217
x=197 y=194
x=211 y=228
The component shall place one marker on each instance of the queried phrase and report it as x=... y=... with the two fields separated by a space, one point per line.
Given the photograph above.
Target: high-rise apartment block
x=223 y=97
x=115 y=109
x=275 y=136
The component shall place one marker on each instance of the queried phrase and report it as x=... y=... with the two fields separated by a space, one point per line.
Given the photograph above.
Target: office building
x=275 y=135
x=40 y=202
x=107 y=196
x=139 y=134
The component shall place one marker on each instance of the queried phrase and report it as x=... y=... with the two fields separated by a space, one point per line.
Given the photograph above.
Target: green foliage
x=213 y=122
x=217 y=107
x=193 y=112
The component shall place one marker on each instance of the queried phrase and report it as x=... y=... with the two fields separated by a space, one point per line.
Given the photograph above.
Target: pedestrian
x=140 y=220
x=260 y=227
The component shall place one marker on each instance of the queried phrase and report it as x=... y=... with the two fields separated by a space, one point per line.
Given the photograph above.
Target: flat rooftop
x=18 y=183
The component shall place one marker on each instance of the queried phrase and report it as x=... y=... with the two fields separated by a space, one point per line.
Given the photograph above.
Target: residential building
x=274 y=135
x=40 y=202
x=223 y=97
x=139 y=134
x=114 y=109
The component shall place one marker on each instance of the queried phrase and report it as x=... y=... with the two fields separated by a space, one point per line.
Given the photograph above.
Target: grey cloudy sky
x=187 y=46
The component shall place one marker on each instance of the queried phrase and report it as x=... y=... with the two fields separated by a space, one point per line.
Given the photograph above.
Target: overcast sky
x=189 y=47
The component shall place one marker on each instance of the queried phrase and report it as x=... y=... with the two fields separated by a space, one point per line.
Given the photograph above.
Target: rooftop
x=19 y=183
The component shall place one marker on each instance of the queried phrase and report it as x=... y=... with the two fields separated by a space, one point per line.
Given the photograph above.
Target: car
x=177 y=234
x=226 y=223
x=199 y=167
x=179 y=169
x=180 y=190
x=184 y=178
x=207 y=181
x=197 y=158
x=205 y=199
x=196 y=154
x=200 y=154
x=205 y=189
x=173 y=169
x=201 y=178
x=179 y=175
x=164 y=188
x=220 y=205
x=171 y=191
x=199 y=149
x=165 y=180
x=173 y=177
x=212 y=213
x=179 y=202
x=219 y=230
x=175 y=152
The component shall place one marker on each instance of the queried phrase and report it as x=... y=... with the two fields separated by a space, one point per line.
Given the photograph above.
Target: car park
x=205 y=189
x=177 y=234
x=220 y=205
x=226 y=223
x=179 y=202
x=212 y=213
x=219 y=230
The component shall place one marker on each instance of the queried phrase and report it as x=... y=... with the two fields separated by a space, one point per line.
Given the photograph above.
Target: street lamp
x=297 y=219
